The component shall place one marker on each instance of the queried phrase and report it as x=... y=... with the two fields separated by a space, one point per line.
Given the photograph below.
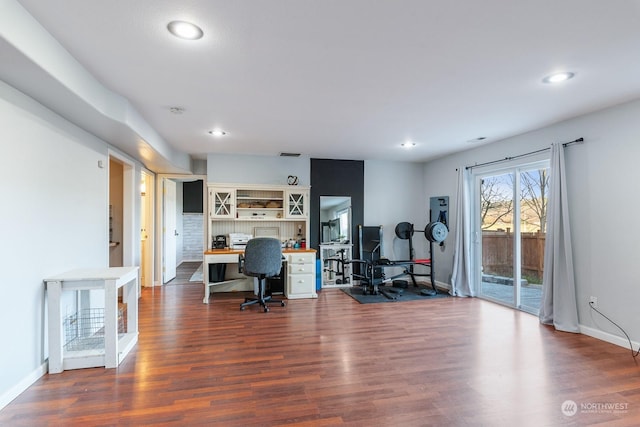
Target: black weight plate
x=436 y=232
x=404 y=230
x=427 y=232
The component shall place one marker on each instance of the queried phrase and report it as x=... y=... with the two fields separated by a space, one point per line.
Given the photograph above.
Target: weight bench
x=374 y=278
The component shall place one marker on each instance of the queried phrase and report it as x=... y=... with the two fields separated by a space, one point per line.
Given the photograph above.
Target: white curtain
x=558 y=306
x=462 y=283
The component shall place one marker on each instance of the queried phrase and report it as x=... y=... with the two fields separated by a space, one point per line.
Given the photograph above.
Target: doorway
x=181 y=235
x=510 y=218
x=121 y=212
x=170 y=234
x=146 y=229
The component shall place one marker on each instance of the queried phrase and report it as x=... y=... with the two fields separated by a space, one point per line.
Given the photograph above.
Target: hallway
x=183 y=273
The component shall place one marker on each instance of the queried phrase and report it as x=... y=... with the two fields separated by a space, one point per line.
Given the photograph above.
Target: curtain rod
x=564 y=144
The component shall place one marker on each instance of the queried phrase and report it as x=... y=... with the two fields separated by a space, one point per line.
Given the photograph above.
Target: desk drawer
x=302 y=258
x=221 y=259
x=300 y=268
x=301 y=286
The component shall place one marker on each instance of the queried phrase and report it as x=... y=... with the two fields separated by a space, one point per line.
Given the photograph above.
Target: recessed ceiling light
x=185 y=30
x=217 y=132
x=408 y=144
x=558 y=77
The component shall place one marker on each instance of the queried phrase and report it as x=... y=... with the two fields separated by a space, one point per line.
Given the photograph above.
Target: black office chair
x=262 y=258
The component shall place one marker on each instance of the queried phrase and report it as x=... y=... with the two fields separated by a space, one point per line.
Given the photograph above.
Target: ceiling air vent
x=289 y=154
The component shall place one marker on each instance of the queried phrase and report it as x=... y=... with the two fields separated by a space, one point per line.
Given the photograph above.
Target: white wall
x=393 y=193
x=602 y=180
x=54 y=217
x=243 y=169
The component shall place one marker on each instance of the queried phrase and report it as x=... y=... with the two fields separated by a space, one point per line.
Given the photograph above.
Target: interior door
x=170 y=231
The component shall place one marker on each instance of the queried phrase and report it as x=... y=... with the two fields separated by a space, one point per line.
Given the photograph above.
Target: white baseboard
x=605 y=336
x=620 y=341
x=26 y=382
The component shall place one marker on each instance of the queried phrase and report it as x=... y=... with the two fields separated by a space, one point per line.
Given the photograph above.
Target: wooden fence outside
x=497 y=254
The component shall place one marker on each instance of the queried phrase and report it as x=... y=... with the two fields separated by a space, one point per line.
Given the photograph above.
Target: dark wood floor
x=333 y=362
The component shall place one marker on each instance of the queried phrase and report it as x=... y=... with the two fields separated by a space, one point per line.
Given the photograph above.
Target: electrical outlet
x=593 y=301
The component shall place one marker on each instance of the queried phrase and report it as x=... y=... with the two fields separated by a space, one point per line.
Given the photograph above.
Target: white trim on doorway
x=159 y=250
x=147 y=228
x=130 y=243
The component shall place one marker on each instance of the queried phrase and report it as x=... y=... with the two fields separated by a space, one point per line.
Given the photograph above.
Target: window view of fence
x=497 y=254
x=497 y=195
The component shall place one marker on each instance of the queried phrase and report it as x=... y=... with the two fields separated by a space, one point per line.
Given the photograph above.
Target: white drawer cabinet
x=301 y=275
x=301 y=269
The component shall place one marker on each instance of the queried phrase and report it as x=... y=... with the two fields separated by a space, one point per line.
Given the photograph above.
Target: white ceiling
x=352 y=79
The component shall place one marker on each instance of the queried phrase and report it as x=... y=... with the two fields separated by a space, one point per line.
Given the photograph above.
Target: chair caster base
x=263 y=304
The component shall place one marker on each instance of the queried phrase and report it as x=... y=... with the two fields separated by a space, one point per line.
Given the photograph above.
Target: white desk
x=221 y=256
x=115 y=347
x=300 y=273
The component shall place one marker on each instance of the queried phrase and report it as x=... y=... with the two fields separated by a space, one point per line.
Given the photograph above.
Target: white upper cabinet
x=258 y=202
x=222 y=203
x=297 y=203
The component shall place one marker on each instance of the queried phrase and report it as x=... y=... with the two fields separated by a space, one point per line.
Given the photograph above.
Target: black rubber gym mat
x=411 y=293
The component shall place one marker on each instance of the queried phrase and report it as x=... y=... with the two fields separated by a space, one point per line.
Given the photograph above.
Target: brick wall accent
x=192 y=229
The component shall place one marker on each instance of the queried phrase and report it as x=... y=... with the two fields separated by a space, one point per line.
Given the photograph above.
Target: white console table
x=116 y=346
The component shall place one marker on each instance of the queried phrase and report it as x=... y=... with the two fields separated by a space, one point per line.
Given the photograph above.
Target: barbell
x=434 y=231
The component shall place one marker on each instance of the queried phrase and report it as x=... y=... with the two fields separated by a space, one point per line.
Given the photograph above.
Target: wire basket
x=84 y=329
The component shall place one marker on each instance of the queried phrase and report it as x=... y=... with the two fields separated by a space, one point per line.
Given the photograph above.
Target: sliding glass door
x=510 y=222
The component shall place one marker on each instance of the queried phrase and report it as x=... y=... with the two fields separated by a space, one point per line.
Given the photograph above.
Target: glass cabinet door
x=297 y=204
x=222 y=203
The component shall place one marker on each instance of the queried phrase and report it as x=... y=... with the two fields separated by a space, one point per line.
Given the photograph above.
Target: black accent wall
x=336 y=178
